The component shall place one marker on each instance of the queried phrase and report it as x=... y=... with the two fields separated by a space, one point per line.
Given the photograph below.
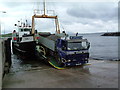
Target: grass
x=7 y=35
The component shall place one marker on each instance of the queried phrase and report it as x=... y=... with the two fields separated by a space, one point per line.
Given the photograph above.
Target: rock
x=111 y=34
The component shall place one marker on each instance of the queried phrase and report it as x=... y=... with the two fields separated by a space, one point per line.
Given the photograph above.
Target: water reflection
x=18 y=64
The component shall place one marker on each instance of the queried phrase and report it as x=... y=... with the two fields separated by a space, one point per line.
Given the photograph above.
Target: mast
x=45 y=16
x=44 y=6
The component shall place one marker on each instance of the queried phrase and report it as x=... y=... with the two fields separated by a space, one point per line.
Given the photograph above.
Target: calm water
x=103 y=47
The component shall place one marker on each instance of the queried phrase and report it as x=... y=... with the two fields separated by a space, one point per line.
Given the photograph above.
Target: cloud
x=83 y=17
x=90 y=17
x=105 y=11
x=12 y=4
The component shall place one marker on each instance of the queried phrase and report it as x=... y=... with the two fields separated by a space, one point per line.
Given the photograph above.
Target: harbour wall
x=5 y=58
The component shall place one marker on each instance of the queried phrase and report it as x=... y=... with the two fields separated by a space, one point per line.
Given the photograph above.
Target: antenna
x=21 y=22
x=18 y=23
x=44 y=6
x=26 y=23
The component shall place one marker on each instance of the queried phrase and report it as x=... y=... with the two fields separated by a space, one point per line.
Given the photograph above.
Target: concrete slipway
x=30 y=74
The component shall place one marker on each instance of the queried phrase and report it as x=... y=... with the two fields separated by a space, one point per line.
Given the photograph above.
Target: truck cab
x=73 y=50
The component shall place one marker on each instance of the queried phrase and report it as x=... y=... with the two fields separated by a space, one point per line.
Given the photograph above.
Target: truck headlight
x=69 y=60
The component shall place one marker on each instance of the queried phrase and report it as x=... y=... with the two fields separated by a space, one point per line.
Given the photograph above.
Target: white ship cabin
x=24 y=31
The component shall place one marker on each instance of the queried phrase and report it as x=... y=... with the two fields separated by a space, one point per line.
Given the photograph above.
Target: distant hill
x=7 y=35
x=111 y=34
x=102 y=34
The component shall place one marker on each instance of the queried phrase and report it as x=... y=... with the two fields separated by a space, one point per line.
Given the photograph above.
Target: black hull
x=24 y=49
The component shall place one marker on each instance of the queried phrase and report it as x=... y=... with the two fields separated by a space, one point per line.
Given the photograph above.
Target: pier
x=36 y=74
x=5 y=58
x=1 y=58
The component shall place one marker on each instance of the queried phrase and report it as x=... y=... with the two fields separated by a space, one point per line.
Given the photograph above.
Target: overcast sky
x=89 y=16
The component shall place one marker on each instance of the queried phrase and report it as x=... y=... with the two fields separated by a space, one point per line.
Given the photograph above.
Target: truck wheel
x=43 y=50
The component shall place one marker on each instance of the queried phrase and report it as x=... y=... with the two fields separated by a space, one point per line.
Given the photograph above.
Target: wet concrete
x=37 y=74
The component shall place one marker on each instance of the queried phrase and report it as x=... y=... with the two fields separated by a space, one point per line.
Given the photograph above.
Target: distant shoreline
x=102 y=34
x=111 y=34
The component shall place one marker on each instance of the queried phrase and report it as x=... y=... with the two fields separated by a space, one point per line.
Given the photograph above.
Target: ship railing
x=41 y=12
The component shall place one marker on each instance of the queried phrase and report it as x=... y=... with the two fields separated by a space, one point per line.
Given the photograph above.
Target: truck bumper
x=74 y=60
x=75 y=63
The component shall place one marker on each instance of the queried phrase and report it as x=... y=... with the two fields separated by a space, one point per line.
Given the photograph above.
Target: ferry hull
x=24 y=49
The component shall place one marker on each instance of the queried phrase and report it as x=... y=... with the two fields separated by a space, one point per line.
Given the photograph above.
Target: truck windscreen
x=76 y=45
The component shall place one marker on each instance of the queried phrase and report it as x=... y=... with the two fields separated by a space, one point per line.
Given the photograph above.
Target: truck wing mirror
x=88 y=45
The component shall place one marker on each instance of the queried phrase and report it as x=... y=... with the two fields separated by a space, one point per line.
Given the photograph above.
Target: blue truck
x=66 y=50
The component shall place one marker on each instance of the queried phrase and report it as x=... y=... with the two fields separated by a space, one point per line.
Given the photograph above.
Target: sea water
x=103 y=47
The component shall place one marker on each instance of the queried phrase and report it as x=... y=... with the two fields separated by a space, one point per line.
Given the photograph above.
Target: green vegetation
x=7 y=35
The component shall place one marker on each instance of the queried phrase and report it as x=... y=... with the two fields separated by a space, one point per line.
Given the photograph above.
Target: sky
x=82 y=16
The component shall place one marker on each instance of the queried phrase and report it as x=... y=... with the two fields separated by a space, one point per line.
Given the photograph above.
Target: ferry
x=23 y=42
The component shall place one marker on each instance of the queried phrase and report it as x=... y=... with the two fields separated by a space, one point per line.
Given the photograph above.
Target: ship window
x=21 y=30
x=27 y=29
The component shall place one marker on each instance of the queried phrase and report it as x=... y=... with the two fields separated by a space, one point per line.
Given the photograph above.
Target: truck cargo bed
x=49 y=41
